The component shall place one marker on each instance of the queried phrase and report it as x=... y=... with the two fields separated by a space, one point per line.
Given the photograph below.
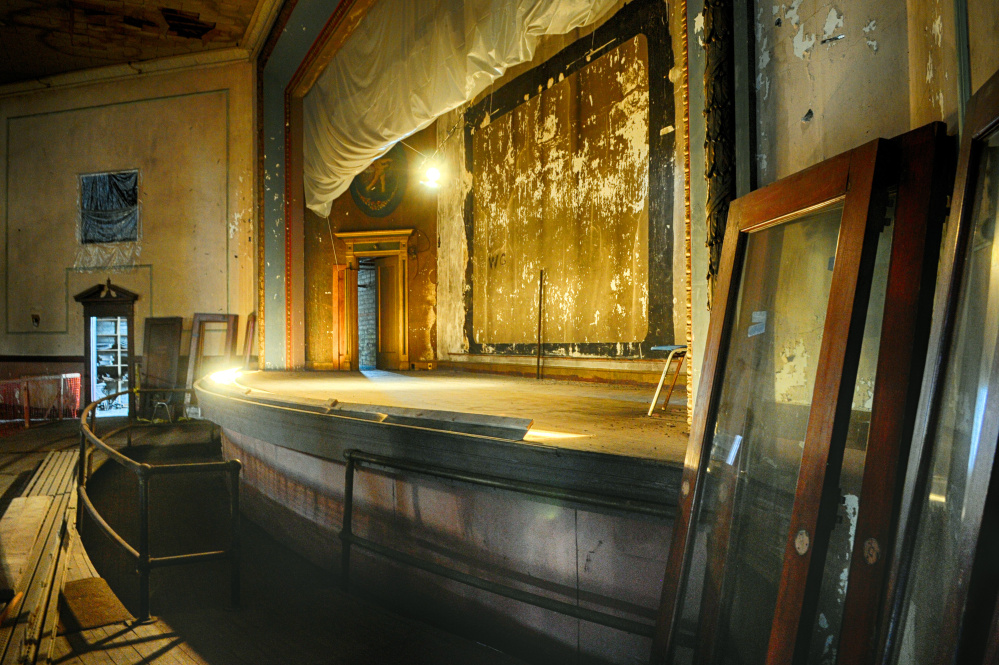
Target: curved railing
x=90 y=442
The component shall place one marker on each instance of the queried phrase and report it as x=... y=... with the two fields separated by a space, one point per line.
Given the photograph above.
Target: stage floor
x=599 y=417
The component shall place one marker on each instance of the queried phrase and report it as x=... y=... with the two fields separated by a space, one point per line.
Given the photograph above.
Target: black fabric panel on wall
x=109 y=207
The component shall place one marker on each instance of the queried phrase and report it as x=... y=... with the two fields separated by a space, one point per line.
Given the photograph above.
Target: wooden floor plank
x=30 y=490
x=158 y=645
x=50 y=617
x=19 y=529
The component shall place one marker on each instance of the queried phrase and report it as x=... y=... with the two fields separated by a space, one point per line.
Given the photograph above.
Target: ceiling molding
x=131 y=69
x=260 y=25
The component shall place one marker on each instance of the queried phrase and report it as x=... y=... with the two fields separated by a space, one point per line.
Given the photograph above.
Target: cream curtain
x=410 y=61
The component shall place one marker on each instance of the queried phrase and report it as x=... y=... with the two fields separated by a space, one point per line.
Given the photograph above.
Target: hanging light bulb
x=432 y=177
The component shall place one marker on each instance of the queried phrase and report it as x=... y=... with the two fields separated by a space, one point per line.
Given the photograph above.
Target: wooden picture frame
x=231 y=322
x=965 y=616
x=251 y=331
x=860 y=181
x=161 y=351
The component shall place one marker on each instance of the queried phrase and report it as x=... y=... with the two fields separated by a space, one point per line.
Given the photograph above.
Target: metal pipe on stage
x=541 y=300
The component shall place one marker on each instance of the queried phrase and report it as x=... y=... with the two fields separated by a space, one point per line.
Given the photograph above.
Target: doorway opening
x=109 y=363
x=367 y=314
x=373 y=311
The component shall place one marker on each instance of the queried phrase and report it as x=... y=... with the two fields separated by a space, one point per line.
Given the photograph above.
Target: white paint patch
x=868 y=29
x=699 y=27
x=668 y=129
x=929 y=68
x=937 y=30
x=764 y=54
x=775 y=10
x=851 y=505
x=791 y=377
x=761 y=162
x=792 y=13
x=802 y=43
x=833 y=21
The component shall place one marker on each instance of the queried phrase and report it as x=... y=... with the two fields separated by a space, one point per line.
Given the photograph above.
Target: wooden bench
x=33 y=544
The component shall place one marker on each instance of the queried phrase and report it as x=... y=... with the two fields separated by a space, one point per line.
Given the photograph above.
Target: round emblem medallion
x=378 y=189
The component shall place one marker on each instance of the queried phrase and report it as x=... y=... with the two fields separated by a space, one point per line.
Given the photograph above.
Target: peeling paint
x=567 y=193
x=833 y=21
x=764 y=54
x=699 y=27
x=791 y=13
x=868 y=30
x=937 y=30
x=792 y=375
x=802 y=43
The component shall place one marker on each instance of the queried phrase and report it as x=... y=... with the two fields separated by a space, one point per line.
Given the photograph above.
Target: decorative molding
x=258 y=29
x=128 y=70
x=41 y=359
x=684 y=85
x=719 y=135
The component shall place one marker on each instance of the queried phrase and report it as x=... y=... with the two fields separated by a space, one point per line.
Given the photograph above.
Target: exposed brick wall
x=367 y=317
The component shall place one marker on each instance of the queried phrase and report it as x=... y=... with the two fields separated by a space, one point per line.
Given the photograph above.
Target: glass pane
x=832 y=594
x=961 y=461
x=742 y=525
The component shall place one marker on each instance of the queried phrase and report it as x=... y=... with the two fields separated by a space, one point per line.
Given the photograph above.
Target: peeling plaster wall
x=933 y=85
x=699 y=313
x=190 y=135
x=562 y=182
x=830 y=77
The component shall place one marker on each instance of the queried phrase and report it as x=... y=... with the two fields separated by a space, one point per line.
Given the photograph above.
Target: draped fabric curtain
x=409 y=62
x=109 y=207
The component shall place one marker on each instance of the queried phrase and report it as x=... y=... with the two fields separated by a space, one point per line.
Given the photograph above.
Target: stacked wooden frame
x=859 y=188
x=948 y=531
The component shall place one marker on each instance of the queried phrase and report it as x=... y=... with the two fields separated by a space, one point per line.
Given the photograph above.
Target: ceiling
x=41 y=38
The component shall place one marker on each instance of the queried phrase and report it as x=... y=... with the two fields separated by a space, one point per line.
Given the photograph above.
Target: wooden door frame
x=365 y=244
x=856 y=178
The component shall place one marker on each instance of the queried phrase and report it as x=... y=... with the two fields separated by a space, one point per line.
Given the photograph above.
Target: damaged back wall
x=828 y=77
x=189 y=136
x=568 y=165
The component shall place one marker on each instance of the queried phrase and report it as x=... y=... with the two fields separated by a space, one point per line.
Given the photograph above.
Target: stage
x=561 y=489
x=595 y=417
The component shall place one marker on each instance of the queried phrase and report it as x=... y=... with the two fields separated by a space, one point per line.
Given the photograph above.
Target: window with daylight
x=109 y=207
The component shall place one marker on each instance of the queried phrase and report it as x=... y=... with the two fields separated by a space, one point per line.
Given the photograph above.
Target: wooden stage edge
x=579 y=436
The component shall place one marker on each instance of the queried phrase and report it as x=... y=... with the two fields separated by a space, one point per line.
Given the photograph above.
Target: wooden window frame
x=860 y=178
x=972 y=633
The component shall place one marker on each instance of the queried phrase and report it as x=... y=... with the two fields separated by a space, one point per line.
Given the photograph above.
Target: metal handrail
x=144 y=562
x=347 y=538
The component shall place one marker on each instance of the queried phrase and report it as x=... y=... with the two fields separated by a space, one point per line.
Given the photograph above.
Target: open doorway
x=374 y=314
x=367 y=314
